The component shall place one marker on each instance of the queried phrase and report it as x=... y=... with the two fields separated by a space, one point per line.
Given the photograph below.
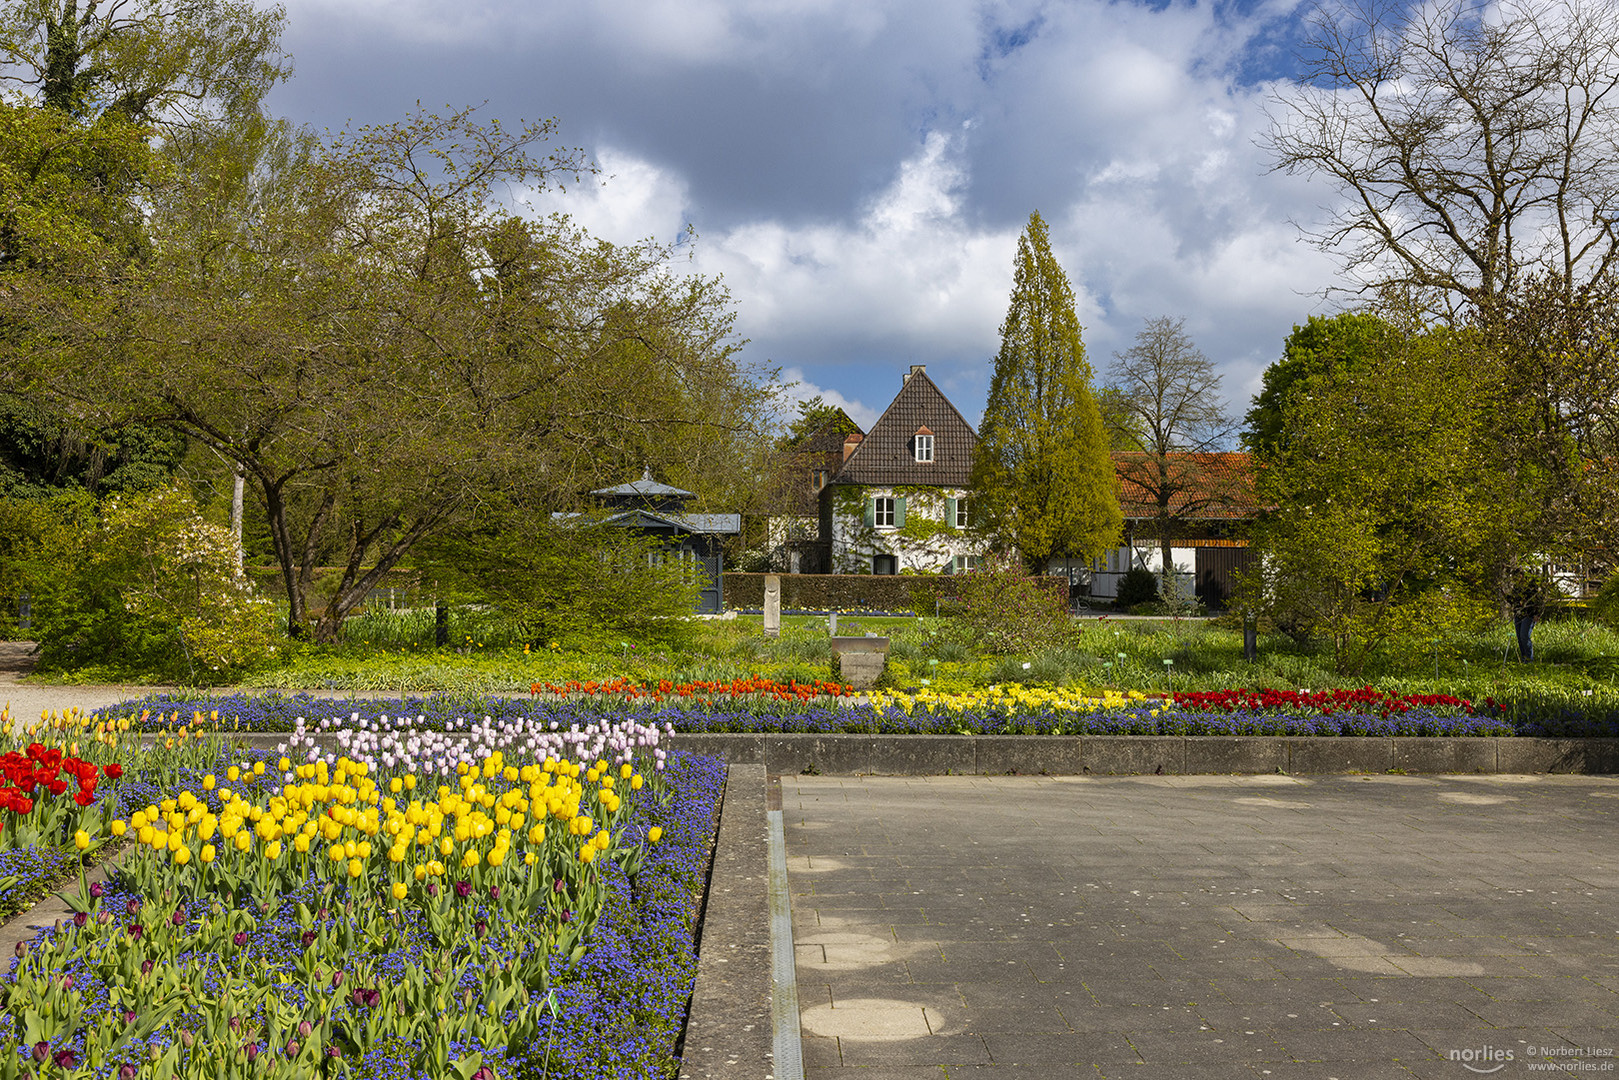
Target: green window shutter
x=950 y=513
x=899 y=511
x=871 y=512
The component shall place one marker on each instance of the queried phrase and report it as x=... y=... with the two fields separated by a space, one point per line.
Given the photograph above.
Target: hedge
x=864 y=592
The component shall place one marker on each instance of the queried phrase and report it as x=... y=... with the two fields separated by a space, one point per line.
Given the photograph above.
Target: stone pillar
x=772 y=605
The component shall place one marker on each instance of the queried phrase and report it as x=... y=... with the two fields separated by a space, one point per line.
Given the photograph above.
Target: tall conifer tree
x=1042 y=474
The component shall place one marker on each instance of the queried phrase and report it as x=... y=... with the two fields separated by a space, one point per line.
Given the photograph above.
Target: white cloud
x=629 y=201
x=859 y=170
x=804 y=390
x=911 y=266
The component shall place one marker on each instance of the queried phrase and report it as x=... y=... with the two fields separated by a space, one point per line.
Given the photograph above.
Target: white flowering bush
x=159 y=590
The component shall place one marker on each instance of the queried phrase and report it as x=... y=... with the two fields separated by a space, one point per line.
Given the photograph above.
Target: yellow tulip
x=272 y=850
x=603 y=840
x=118 y=828
x=356 y=867
x=182 y=856
x=233 y=774
x=208 y=782
x=655 y=833
x=399 y=890
x=81 y=840
x=497 y=856
x=207 y=853
x=587 y=854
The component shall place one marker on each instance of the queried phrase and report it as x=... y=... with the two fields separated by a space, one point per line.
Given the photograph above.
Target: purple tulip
x=133 y=905
x=494 y=892
x=252 y=1051
x=126 y=1072
x=136 y=930
x=305 y=1028
x=41 y=1051
x=463 y=889
x=97 y=890
x=239 y=938
x=373 y=998
x=178 y=918
x=67 y=983
x=146 y=965
x=480 y=928
x=128 y=1016
x=20 y=949
x=292 y=1047
x=337 y=979
x=80 y=918
x=66 y=1059
x=307 y=937
x=432 y=889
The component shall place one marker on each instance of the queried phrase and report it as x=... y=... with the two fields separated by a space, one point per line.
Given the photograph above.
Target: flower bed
x=993 y=711
x=494 y=918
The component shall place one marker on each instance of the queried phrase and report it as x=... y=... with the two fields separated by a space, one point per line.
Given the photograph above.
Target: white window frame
x=966 y=563
x=962 y=518
x=882 y=512
x=924 y=448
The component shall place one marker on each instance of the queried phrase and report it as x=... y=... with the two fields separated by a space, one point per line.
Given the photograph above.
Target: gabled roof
x=1203 y=487
x=885 y=458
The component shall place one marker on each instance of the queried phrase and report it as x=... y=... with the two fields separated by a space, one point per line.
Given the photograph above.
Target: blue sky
x=859 y=171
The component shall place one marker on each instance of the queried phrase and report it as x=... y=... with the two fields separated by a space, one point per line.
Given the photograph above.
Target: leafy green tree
x=814 y=416
x=40 y=540
x=185 y=62
x=379 y=346
x=573 y=579
x=1323 y=344
x=1042 y=477
x=1385 y=515
x=38 y=455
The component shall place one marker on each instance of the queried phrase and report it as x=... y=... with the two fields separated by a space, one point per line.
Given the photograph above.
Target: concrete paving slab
x=1356 y=927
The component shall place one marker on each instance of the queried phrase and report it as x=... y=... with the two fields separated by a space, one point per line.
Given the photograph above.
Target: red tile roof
x=1201 y=487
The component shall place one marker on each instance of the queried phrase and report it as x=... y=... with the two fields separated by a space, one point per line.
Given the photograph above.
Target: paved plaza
x=1357 y=927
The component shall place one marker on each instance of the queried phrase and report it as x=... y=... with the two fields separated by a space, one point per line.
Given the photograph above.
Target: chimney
x=849 y=443
x=916 y=369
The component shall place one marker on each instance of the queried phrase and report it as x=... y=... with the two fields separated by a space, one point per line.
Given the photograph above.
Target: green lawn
x=384 y=651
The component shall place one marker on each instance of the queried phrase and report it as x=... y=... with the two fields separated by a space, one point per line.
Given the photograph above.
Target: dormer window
x=922 y=445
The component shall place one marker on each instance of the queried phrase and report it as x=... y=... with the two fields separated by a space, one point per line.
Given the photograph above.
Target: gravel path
x=27 y=701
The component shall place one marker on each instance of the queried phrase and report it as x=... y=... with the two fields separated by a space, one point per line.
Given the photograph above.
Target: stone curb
x=1124 y=755
x=729 y=1031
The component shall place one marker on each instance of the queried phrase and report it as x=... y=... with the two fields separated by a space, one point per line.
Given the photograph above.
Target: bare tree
x=1473 y=143
x=1171 y=397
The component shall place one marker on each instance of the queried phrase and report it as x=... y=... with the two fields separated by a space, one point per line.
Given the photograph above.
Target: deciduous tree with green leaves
x=1385 y=517
x=1042 y=476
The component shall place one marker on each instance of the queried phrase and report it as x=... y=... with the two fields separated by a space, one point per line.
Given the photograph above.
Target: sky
x=859 y=171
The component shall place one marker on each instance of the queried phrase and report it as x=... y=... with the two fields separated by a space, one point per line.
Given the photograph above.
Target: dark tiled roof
x=885 y=458
x=1204 y=487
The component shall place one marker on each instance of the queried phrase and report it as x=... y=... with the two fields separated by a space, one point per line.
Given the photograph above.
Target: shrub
x=158 y=590
x=1138 y=586
x=1605 y=605
x=1003 y=611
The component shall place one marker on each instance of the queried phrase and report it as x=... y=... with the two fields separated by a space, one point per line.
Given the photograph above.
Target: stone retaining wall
x=1102 y=755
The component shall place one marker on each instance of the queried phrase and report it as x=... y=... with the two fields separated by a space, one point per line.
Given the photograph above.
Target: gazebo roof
x=646 y=486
